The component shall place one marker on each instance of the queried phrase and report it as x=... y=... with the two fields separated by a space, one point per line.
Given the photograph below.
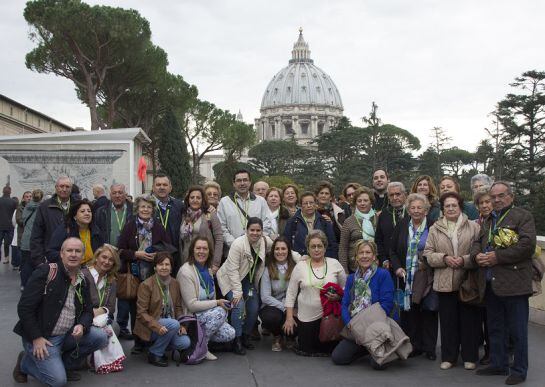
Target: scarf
x=417 y=241
x=189 y=222
x=168 y=306
x=282 y=270
x=361 y=292
x=453 y=233
x=144 y=233
x=205 y=279
x=367 y=226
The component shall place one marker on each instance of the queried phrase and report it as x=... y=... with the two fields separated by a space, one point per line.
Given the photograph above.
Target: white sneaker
x=210 y=356
x=469 y=365
x=445 y=365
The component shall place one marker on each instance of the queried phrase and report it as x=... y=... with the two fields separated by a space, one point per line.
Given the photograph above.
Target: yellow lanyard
x=102 y=293
x=496 y=225
x=164 y=221
x=163 y=295
x=254 y=266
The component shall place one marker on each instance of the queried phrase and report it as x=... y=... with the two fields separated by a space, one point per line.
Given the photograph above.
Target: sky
x=425 y=63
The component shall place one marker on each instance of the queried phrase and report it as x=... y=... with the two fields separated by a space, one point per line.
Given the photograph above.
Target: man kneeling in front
x=55 y=315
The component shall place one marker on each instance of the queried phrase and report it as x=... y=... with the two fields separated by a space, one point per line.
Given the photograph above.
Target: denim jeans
x=124 y=309
x=508 y=319
x=170 y=340
x=65 y=354
x=6 y=236
x=244 y=315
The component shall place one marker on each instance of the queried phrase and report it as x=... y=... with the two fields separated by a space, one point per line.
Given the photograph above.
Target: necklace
x=314 y=274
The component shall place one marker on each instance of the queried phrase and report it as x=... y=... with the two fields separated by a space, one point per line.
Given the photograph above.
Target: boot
x=238 y=348
x=246 y=342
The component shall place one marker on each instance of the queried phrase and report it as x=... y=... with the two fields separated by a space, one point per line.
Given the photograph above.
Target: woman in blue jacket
x=368 y=285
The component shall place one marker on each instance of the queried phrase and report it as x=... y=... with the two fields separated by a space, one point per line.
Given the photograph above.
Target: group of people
x=300 y=264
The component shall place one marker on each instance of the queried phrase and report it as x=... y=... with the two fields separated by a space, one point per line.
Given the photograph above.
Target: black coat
x=48 y=216
x=383 y=235
x=99 y=203
x=62 y=232
x=7 y=208
x=177 y=208
x=39 y=308
x=103 y=221
x=296 y=231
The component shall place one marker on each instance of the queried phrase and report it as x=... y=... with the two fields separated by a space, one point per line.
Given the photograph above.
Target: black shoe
x=247 y=343
x=415 y=353
x=137 y=349
x=488 y=371
x=431 y=356
x=255 y=335
x=72 y=376
x=377 y=366
x=158 y=361
x=238 y=348
x=18 y=375
x=514 y=379
x=125 y=335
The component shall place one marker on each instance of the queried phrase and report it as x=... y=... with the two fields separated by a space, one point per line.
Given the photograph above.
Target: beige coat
x=439 y=244
x=188 y=280
x=238 y=264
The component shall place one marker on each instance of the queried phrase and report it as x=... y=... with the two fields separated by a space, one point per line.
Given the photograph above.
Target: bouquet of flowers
x=505 y=237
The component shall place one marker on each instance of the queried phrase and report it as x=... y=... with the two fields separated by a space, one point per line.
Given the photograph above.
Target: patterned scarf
x=189 y=221
x=367 y=226
x=144 y=233
x=417 y=241
x=361 y=292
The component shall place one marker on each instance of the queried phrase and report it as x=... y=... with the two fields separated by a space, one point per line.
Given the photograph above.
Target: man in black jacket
x=112 y=217
x=50 y=214
x=55 y=316
x=7 y=208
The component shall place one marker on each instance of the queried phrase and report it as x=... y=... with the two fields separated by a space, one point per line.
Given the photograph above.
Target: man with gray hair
x=49 y=215
x=481 y=182
x=390 y=216
x=112 y=217
x=99 y=193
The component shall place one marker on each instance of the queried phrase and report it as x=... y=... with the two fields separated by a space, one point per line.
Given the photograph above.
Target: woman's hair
x=295 y=189
x=37 y=195
x=147 y=199
x=363 y=190
x=112 y=250
x=316 y=234
x=193 y=188
x=479 y=195
x=271 y=261
x=487 y=180
x=324 y=184
x=350 y=185
x=432 y=196
x=162 y=256
x=74 y=208
x=454 y=195
x=361 y=243
x=212 y=184
x=453 y=179
x=307 y=194
x=191 y=255
x=274 y=189
x=416 y=196
x=254 y=220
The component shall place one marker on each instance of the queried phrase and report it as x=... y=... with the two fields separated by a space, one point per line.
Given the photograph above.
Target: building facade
x=301 y=101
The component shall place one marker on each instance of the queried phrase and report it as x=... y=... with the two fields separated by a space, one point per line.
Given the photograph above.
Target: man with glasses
x=504 y=253
x=388 y=219
x=306 y=219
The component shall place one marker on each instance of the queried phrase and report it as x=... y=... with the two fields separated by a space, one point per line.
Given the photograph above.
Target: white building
x=301 y=100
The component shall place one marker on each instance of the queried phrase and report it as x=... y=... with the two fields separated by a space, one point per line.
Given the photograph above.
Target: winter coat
x=439 y=244
x=29 y=214
x=110 y=294
x=190 y=288
x=350 y=234
x=210 y=228
x=385 y=228
x=103 y=220
x=296 y=231
x=7 y=208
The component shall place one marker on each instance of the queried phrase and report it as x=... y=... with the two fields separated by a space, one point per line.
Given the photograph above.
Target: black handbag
x=430 y=302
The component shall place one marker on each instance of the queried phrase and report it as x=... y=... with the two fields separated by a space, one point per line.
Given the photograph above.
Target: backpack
x=53 y=269
x=196 y=352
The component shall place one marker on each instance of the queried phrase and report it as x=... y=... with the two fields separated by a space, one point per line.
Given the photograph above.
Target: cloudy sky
x=425 y=63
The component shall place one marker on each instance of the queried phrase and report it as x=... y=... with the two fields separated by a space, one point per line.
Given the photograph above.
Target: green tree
x=429 y=164
x=277 y=157
x=455 y=159
x=173 y=154
x=278 y=181
x=84 y=43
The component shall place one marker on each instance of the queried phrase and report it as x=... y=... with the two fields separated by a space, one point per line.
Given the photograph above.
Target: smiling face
x=423 y=187
x=71 y=254
x=163 y=268
x=417 y=211
x=380 y=180
x=290 y=197
x=145 y=210
x=365 y=257
x=84 y=216
x=451 y=209
x=104 y=262
x=195 y=200
x=118 y=196
x=201 y=252
x=273 y=200
x=212 y=196
x=281 y=252
x=254 y=232
x=363 y=203
x=447 y=185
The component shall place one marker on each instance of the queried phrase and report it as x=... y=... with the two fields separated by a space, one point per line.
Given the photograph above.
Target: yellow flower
x=505 y=237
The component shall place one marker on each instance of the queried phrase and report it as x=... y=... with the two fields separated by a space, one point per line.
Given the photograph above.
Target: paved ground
x=261 y=367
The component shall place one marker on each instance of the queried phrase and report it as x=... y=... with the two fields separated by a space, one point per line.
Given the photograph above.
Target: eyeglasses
x=308 y=204
x=500 y=196
x=242 y=180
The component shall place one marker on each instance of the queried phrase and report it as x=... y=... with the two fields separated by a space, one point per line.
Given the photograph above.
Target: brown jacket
x=350 y=234
x=149 y=306
x=439 y=244
x=512 y=276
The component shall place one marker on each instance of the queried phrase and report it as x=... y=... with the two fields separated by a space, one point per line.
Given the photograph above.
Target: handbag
x=399 y=301
x=469 y=288
x=430 y=302
x=127 y=286
x=330 y=328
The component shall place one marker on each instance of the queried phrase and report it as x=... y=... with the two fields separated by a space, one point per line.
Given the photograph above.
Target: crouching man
x=55 y=316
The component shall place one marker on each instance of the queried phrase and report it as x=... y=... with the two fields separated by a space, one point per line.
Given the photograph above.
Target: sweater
x=303 y=288
x=273 y=292
x=350 y=234
x=190 y=287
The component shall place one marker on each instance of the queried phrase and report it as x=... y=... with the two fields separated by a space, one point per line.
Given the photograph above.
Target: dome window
x=320 y=128
x=275 y=90
x=303 y=75
x=314 y=75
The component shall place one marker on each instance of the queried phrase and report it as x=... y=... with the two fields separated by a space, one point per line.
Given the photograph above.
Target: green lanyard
x=254 y=266
x=164 y=221
x=490 y=238
x=62 y=208
x=163 y=295
x=202 y=282
x=120 y=223
x=311 y=274
x=394 y=219
x=102 y=293
x=371 y=237
x=243 y=219
x=77 y=289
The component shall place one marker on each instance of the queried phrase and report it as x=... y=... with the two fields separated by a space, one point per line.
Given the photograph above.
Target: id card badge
x=251 y=292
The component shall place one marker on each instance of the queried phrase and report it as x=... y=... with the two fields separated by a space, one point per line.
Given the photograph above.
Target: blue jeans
x=170 y=340
x=6 y=236
x=244 y=315
x=124 y=309
x=508 y=319
x=65 y=354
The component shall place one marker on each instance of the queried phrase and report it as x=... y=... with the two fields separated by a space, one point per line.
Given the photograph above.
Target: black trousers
x=347 y=351
x=308 y=338
x=460 y=326
x=421 y=326
x=272 y=319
